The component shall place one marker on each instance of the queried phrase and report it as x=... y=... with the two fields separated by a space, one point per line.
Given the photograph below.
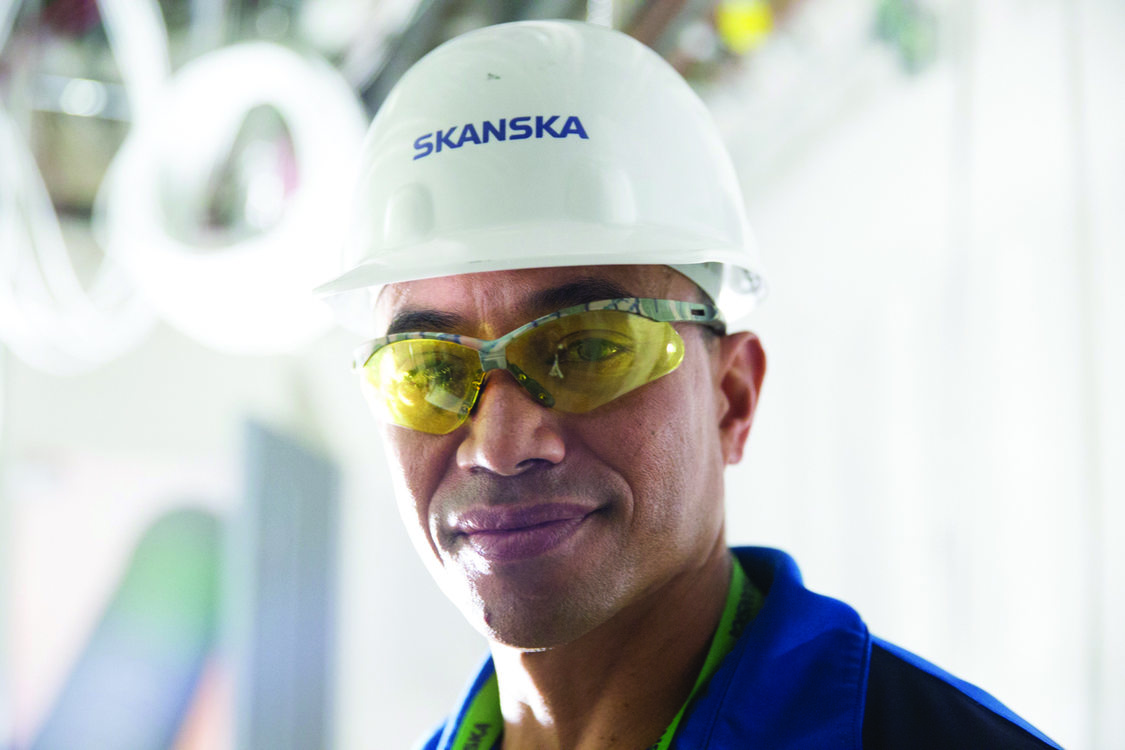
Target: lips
x=501 y=534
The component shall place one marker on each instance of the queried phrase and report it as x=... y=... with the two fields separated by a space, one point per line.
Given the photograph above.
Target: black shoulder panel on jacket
x=907 y=707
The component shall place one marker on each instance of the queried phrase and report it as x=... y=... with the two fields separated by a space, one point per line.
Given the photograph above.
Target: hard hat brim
x=538 y=245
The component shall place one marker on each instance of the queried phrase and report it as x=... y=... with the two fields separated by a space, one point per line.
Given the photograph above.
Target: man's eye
x=588 y=348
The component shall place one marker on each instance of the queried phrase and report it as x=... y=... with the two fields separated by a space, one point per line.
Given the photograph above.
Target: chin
x=534 y=624
x=530 y=631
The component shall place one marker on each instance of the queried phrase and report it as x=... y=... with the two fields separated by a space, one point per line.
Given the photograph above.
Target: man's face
x=542 y=525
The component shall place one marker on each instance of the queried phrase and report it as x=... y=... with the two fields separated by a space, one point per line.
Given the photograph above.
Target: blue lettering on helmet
x=514 y=129
x=423 y=146
x=520 y=128
x=544 y=126
x=467 y=131
x=445 y=138
x=487 y=128
x=573 y=126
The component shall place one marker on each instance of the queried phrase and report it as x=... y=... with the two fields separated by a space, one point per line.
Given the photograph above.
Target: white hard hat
x=540 y=144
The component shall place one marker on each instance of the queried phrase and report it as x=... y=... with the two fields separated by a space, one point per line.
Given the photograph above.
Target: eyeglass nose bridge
x=496 y=359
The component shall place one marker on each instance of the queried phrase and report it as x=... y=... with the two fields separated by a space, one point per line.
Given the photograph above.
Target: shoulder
x=912 y=703
x=814 y=656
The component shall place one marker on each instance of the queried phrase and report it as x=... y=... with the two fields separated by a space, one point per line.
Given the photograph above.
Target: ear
x=741 y=368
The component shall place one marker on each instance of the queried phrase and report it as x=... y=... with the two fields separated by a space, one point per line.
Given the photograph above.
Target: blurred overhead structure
x=228 y=204
x=51 y=315
x=221 y=215
x=700 y=37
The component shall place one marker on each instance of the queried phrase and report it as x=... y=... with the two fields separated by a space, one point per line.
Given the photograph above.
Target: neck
x=620 y=685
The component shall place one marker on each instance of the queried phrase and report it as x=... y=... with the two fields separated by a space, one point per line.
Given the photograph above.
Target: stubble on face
x=548 y=599
x=642 y=465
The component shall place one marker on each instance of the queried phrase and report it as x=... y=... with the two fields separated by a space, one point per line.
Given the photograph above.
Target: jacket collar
x=796 y=678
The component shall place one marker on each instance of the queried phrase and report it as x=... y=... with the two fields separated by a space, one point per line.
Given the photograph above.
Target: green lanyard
x=484 y=723
x=743 y=602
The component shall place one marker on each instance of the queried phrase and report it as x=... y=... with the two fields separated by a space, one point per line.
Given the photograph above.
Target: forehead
x=501 y=300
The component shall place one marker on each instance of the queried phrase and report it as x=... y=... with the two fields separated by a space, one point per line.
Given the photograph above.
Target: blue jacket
x=807 y=674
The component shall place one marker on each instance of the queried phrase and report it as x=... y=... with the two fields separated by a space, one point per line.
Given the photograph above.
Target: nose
x=508 y=432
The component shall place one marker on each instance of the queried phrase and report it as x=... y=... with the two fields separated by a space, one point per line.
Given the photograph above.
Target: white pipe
x=49 y=319
x=600 y=12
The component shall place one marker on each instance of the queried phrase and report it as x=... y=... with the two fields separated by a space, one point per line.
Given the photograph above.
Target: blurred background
x=198 y=543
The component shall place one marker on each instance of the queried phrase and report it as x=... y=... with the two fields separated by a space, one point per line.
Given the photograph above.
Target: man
x=549 y=240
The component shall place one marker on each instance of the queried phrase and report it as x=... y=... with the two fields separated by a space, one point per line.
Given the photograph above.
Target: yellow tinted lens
x=589 y=359
x=423 y=384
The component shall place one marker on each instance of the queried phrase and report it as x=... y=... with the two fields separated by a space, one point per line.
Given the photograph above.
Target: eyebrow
x=578 y=292
x=426 y=320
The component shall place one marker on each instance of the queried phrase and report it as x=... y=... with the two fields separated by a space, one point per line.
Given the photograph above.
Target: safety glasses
x=573 y=360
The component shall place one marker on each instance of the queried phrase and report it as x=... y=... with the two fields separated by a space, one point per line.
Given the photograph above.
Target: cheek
x=417 y=464
x=664 y=441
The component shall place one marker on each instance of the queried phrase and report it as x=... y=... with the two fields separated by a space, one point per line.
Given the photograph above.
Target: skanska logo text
x=504 y=129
